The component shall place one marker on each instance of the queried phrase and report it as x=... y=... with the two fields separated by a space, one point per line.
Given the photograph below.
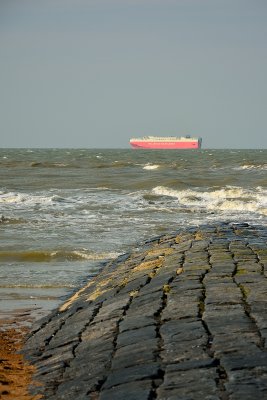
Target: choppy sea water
x=63 y=212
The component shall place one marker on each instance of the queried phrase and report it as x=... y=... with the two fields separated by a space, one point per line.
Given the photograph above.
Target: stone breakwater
x=183 y=317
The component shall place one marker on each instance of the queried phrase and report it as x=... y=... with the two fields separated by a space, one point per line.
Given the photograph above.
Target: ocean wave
x=48 y=164
x=113 y=164
x=30 y=285
x=228 y=199
x=11 y=221
x=25 y=199
x=54 y=255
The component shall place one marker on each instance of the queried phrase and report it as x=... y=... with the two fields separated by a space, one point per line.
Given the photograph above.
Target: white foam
x=95 y=256
x=251 y=167
x=26 y=201
x=228 y=199
x=151 y=166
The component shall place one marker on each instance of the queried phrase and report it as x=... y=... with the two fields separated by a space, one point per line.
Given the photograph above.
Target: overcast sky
x=94 y=73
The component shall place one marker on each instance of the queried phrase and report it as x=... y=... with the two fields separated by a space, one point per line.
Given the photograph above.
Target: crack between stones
x=220 y=370
x=101 y=383
x=201 y=310
x=247 y=308
x=67 y=364
x=48 y=340
x=158 y=381
x=258 y=259
x=108 y=366
x=95 y=312
x=33 y=332
x=61 y=371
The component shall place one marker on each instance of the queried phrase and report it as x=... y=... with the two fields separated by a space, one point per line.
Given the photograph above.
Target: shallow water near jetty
x=63 y=212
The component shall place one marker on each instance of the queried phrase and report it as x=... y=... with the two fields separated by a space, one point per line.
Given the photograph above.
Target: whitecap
x=25 y=199
x=95 y=256
x=251 y=167
x=151 y=166
x=228 y=199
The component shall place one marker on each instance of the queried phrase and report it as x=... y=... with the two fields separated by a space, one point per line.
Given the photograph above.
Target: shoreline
x=183 y=315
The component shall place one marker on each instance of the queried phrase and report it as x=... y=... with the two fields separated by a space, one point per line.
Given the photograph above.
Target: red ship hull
x=166 y=145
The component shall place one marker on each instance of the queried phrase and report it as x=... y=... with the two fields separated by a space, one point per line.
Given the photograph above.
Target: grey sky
x=93 y=73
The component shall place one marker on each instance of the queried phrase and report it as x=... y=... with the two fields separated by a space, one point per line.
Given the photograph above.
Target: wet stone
x=50 y=370
x=242 y=361
x=135 y=284
x=134 y=358
x=131 y=391
x=179 y=308
x=132 y=374
x=74 y=389
x=227 y=344
x=185 y=284
x=159 y=281
x=145 y=309
x=135 y=322
x=136 y=336
x=181 y=331
x=205 y=362
x=92 y=349
x=58 y=355
x=213 y=282
x=149 y=345
x=225 y=294
x=219 y=324
x=100 y=330
x=88 y=369
x=112 y=309
x=249 y=384
x=198 y=383
x=175 y=352
x=247 y=277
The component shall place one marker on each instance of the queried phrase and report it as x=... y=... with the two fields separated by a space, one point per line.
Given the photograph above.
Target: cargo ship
x=166 y=142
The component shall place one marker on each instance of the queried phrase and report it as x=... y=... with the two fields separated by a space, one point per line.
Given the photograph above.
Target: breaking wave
x=25 y=198
x=229 y=199
x=151 y=166
x=48 y=165
x=251 y=167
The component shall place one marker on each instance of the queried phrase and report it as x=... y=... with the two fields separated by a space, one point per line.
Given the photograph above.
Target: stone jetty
x=182 y=317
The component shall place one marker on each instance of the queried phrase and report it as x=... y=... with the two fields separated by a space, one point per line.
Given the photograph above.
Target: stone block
x=138 y=390
x=180 y=331
x=135 y=322
x=133 y=336
x=197 y=383
x=243 y=361
x=132 y=374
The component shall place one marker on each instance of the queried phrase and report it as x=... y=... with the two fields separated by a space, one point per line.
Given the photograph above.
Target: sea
x=64 y=213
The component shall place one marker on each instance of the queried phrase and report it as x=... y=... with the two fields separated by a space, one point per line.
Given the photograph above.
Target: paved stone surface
x=184 y=317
